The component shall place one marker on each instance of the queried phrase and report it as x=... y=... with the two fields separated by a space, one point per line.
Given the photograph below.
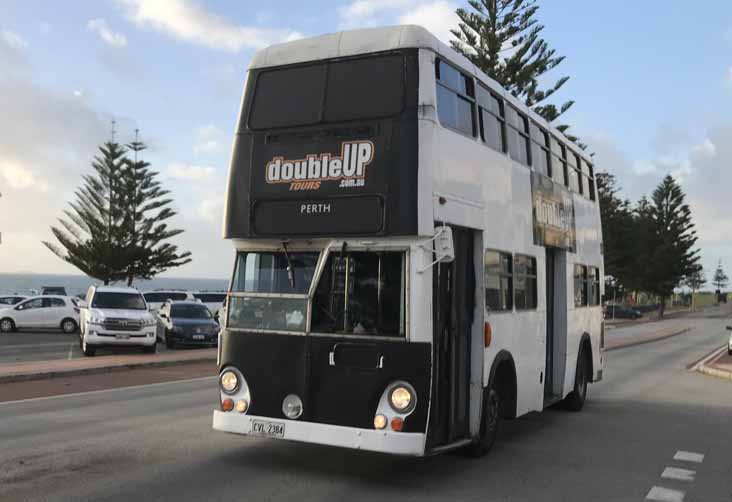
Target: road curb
x=633 y=343
x=25 y=377
x=706 y=370
x=705 y=365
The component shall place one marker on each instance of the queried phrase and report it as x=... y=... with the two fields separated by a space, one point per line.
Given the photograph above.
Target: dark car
x=188 y=323
x=622 y=312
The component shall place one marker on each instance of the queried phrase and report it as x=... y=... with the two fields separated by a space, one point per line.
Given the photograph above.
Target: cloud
x=13 y=55
x=188 y=21
x=438 y=16
x=209 y=139
x=13 y=40
x=112 y=38
x=188 y=172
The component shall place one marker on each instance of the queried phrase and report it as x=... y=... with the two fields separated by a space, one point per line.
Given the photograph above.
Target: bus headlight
x=402 y=398
x=229 y=382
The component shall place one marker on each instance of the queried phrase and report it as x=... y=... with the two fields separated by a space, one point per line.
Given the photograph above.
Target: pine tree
x=502 y=38
x=91 y=235
x=720 y=280
x=672 y=256
x=695 y=281
x=617 y=225
x=145 y=221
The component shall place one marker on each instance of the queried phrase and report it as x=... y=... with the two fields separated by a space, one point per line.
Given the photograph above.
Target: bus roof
x=389 y=38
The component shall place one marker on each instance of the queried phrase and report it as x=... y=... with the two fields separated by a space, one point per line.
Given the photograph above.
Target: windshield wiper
x=290 y=269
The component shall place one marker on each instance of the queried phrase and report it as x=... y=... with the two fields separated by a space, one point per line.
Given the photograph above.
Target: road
x=155 y=443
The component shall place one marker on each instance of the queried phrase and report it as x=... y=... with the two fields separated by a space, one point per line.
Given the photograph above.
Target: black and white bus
x=418 y=255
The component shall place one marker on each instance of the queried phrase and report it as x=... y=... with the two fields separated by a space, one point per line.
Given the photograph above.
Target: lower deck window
x=580 y=286
x=524 y=269
x=498 y=281
x=361 y=293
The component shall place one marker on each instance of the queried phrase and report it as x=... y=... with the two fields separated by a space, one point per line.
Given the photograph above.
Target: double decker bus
x=418 y=254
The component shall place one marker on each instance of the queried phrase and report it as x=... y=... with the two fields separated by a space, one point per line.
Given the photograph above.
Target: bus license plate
x=268 y=429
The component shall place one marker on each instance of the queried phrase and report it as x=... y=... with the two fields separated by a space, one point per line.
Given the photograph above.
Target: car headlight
x=229 y=382
x=402 y=398
x=150 y=322
x=177 y=329
x=96 y=320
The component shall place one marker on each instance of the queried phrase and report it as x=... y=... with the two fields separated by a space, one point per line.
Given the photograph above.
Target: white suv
x=155 y=299
x=116 y=317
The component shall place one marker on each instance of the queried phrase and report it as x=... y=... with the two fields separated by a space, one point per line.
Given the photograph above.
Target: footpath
x=630 y=334
x=39 y=370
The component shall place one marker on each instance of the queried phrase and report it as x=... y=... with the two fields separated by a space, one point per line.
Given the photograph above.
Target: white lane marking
x=117 y=389
x=689 y=456
x=661 y=494
x=678 y=474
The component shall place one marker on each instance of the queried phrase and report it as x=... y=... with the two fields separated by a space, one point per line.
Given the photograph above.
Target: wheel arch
x=585 y=345
x=503 y=375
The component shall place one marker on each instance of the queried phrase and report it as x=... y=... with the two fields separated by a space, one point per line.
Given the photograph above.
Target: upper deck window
x=558 y=162
x=517 y=135
x=492 y=121
x=540 y=150
x=337 y=91
x=455 y=99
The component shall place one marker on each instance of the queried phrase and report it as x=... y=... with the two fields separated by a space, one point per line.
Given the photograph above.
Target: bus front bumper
x=398 y=443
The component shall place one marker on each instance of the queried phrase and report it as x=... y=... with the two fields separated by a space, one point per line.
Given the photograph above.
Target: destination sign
x=335 y=216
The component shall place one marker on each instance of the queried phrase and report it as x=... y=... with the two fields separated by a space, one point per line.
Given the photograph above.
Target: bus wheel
x=488 y=426
x=576 y=399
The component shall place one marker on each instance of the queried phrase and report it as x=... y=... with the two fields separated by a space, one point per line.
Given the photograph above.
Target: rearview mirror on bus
x=441 y=244
x=444 y=248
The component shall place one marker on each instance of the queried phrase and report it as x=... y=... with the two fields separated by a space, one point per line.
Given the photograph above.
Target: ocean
x=28 y=284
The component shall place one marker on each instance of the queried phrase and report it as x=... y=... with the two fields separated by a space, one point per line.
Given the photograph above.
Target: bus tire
x=488 y=425
x=575 y=401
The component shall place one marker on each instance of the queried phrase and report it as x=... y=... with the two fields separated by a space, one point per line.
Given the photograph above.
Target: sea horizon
x=30 y=283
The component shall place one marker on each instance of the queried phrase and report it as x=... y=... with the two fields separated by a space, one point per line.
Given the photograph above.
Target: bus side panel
x=583 y=319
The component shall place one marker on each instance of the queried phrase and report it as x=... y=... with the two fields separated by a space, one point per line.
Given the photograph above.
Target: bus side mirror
x=444 y=245
x=441 y=247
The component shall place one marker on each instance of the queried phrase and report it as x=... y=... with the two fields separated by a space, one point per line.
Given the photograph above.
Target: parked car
x=188 y=323
x=41 y=312
x=116 y=317
x=156 y=299
x=621 y=312
x=214 y=300
x=53 y=290
x=11 y=300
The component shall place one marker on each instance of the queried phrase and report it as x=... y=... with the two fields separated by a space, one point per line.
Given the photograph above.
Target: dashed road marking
x=678 y=474
x=660 y=494
x=689 y=456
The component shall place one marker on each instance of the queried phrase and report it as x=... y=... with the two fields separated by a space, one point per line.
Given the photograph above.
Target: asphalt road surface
x=155 y=443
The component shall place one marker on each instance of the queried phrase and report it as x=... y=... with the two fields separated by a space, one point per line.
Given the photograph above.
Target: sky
x=652 y=82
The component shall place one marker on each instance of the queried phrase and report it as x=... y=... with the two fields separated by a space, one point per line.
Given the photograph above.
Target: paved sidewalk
x=36 y=370
x=637 y=334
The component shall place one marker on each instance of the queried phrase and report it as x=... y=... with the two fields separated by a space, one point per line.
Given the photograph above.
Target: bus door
x=556 y=324
x=453 y=304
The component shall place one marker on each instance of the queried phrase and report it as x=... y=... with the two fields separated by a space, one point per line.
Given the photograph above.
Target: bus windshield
x=271 y=301
x=361 y=293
